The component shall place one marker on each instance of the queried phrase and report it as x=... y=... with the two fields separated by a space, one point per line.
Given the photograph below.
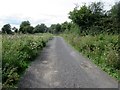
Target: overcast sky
x=40 y=11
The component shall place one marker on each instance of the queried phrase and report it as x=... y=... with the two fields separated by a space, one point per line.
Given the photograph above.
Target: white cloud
x=39 y=11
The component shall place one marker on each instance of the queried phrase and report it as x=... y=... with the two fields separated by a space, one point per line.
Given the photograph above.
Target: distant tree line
x=91 y=19
x=25 y=27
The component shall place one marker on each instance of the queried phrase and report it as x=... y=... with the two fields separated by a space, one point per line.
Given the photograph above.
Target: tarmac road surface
x=60 y=66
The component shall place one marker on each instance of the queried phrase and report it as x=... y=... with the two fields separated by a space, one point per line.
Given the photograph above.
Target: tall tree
x=97 y=8
x=58 y=28
x=52 y=28
x=115 y=17
x=118 y=13
x=65 y=26
x=40 y=28
x=37 y=29
x=114 y=10
x=29 y=29
x=55 y=28
x=6 y=29
x=82 y=17
x=24 y=26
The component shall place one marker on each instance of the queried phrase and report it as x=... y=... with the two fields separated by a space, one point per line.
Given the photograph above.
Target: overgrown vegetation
x=95 y=33
x=17 y=52
x=101 y=49
x=92 y=31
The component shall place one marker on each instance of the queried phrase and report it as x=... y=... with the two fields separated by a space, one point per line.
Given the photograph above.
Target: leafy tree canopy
x=25 y=27
x=40 y=28
x=6 y=29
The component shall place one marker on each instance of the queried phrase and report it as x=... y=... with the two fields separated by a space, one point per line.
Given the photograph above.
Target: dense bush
x=17 y=52
x=102 y=49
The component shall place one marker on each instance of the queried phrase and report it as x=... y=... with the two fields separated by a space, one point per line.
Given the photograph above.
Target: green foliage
x=114 y=18
x=118 y=13
x=97 y=9
x=65 y=27
x=114 y=12
x=101 y=49
x=55 y=28
x=75 y=29
x=95 y=32
x=52 y=28
x=81 y=17
x=25 y=27
x=29 y=29
x=58 y=28
x=6 y=29
x=92 y=19
x=10 y=76
x=17 y=52
x=40 y=28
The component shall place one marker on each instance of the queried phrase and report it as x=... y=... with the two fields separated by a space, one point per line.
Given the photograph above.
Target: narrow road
x=60 y=66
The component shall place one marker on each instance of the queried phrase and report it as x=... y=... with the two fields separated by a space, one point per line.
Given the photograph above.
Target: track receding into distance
x=60 y=66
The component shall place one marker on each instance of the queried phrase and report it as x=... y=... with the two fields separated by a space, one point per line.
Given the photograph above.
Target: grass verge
x=101 y=49
x=17 y=52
